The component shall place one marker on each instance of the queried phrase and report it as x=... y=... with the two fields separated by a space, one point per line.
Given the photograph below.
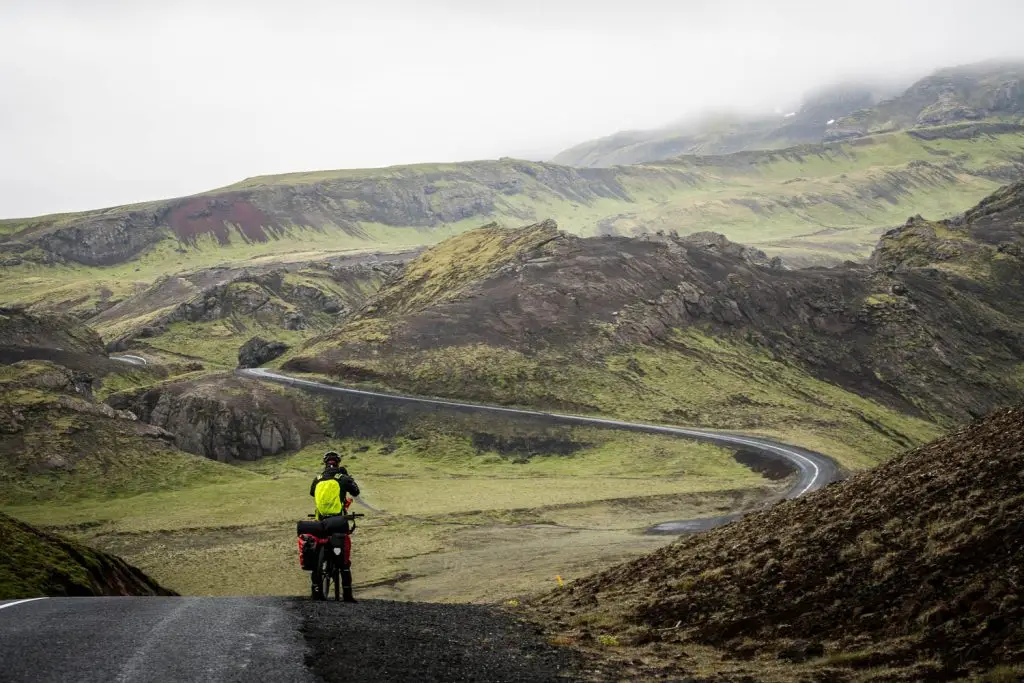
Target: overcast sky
x=107 y=102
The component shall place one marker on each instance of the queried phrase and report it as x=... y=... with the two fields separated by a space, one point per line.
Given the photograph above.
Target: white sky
x=107 y=101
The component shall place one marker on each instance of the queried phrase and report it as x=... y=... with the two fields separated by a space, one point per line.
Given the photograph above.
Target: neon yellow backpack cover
x=328 y=497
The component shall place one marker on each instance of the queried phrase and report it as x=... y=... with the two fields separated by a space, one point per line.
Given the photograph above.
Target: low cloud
x=108 y=102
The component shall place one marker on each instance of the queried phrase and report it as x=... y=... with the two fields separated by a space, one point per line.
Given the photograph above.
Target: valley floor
x=443 y=528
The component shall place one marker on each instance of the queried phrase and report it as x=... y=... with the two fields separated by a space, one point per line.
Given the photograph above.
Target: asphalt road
x=289 y=641
x=814 y=470
x=151 y=639
x=130 y=359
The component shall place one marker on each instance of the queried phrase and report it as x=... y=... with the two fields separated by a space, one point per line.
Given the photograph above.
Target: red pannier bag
x=307 y=551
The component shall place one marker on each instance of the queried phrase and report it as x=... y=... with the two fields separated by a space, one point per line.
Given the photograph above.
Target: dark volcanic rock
x=718 y=243
x=258 y=351
x=226 y=417
x=896 y=330
x=60 y=338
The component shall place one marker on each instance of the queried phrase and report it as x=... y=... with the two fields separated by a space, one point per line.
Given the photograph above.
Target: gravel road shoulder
x=378 y=640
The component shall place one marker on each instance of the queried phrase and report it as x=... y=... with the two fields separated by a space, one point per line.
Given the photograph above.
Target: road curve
x=814 y=470
x=130 y=359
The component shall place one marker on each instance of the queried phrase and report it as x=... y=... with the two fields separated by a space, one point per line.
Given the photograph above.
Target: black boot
x=346 y=585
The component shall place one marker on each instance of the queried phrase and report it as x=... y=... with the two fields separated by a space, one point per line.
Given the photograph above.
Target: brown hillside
x=915 y=566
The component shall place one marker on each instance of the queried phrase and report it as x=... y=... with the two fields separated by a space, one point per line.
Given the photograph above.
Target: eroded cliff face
x=417 y=197
x=226 y=418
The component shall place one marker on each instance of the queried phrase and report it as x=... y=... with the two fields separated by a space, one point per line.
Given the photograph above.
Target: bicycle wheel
x=337 y=582
x=324 y=572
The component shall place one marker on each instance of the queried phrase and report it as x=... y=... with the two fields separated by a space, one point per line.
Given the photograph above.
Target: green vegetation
x=437 y=492
x=813 y=202
x=77 y=289
x=217 y=342
x=34 y=563
x=698 y=380
x=441 y=273
x=830 y=198
x=58 y=448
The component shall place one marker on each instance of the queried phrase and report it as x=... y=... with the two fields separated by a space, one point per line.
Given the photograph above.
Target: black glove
x=343 y=471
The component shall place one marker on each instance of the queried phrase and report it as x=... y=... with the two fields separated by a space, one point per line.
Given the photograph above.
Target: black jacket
x=347 y=483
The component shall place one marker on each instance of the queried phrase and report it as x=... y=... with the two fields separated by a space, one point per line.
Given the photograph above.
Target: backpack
x=328 y=497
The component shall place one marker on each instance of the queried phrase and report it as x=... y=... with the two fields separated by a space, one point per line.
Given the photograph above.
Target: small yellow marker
x=561 y=584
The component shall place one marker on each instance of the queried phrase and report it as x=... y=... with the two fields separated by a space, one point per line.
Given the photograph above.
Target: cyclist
x=331 y=490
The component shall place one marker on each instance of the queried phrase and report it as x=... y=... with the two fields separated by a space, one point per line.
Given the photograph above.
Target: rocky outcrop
x=60 y=338
x=259 y=212
x=49 y=376
x=226 y=418
x=894 y=331
x=294 y=297
x=948 y=108
x=258 y=351
x=949 y=96
x=718 y=243
x=37 y=563
x=20 y=329
x=103 y=238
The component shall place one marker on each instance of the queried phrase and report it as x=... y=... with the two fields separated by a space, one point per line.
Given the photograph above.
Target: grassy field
x=451 y=519
x=59 y=447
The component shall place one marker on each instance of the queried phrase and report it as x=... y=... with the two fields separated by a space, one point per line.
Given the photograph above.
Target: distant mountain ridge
x=971 y=92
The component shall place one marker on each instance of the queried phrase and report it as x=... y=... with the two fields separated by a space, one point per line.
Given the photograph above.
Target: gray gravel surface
x=379 y=640
x=152 y=639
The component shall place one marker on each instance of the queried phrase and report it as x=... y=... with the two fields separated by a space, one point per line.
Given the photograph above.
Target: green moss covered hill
x=810 y=191
x=699 y=330
x=35 y=563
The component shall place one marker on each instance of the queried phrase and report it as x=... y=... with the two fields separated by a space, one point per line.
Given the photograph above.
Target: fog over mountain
x=109 y=102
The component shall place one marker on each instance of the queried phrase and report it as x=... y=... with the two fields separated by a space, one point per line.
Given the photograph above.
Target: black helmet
x=332 y=455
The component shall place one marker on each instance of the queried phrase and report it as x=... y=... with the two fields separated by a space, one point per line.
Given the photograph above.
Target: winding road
x=814 y=470
x=291 y=640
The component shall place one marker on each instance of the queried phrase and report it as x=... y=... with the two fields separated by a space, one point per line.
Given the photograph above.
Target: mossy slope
x=56 y=444
x=695 y=332
x=36 y=563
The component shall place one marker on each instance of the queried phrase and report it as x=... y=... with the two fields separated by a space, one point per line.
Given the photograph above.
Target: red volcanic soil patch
x=213 y=215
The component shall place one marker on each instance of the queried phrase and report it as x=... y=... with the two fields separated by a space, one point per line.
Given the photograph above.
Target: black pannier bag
x=311 y=527
x=335 y=525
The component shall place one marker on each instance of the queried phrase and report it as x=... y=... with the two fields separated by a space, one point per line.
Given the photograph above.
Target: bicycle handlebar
x=349 y=516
